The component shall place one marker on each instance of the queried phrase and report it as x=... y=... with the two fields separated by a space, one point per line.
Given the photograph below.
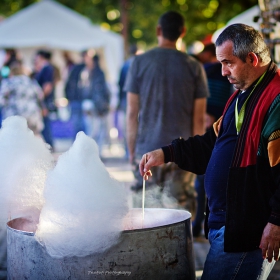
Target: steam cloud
x=84 y=206
x=25 y=160
x=82 y=209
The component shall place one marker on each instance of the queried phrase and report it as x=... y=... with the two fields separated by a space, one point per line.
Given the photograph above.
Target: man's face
x=38 y=64
x=237 y=71
x=88 y=61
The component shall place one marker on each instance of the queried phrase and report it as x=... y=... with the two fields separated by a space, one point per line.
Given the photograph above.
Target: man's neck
x=44 y=63
x=167 y=44
x=261 y=70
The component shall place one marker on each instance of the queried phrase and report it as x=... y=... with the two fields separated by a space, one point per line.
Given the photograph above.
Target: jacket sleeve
x=272 y=134
x=71 y=87
x=192 y=154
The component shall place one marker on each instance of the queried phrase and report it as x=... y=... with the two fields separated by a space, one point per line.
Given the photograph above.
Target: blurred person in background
x=22 y=96
x=121 y=117
x=220 y=90
x=45 y=76
x=167 y=91
x=19 y=96
x=89 y=98
x=69 y=64
x=123 y=74
x=9 y=56
x=219 y=86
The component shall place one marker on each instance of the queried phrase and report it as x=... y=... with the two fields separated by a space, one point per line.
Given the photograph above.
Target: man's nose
x=225 y=71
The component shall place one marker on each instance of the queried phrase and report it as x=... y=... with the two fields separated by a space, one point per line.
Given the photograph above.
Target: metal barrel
x=162 y=252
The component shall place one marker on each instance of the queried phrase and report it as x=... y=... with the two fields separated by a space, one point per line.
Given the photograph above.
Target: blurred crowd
x=31 y=93
x=154 y=87
x=165 y=96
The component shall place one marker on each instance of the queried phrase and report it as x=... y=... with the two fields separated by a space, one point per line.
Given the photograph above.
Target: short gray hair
x=245 y=39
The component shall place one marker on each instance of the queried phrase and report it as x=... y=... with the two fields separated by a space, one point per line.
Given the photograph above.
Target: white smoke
x=156 y=197
x=84 y=206
x=25 y=160
x=153 y=217
x=83 y=209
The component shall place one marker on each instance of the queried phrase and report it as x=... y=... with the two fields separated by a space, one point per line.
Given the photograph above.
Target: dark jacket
x=253 y=190
x=72 y=91
x=100 y=93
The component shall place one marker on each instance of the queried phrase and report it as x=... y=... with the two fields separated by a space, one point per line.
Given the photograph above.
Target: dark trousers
x=47 y=131
x=200 y=205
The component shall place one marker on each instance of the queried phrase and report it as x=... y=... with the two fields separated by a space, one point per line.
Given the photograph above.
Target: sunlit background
x=136 y=20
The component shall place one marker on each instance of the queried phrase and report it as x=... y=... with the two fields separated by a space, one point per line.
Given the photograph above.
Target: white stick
x=143 y=193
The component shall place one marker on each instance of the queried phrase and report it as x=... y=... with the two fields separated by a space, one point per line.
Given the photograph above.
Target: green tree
x=137 y=20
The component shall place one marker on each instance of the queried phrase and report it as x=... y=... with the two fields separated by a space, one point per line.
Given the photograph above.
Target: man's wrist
x=168 y=153
x=274 y=218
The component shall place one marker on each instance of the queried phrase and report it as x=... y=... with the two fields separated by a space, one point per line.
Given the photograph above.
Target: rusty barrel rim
x=185 y=217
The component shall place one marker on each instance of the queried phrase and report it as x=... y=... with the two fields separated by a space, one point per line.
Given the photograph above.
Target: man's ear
x=253 y=58
x=158 y=30
x=183 y=33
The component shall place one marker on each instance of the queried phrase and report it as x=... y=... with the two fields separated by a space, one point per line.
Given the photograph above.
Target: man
x=46 y=79
x=220 y=90
x=240 y=158
x=167 y=92
x=89 y=98
x=219 y=87
x=122 y=96
x=123 y=73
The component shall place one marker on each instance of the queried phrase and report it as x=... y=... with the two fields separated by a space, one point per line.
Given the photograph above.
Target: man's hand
x=45 y=112
x=270 y=242
x=154 y=158
x=47 y=88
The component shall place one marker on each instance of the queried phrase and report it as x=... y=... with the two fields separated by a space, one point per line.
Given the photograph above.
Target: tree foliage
x=202 y=17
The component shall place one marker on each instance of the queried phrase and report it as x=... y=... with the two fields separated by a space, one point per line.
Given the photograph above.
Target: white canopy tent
x=48 y=24
x=245 y=18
